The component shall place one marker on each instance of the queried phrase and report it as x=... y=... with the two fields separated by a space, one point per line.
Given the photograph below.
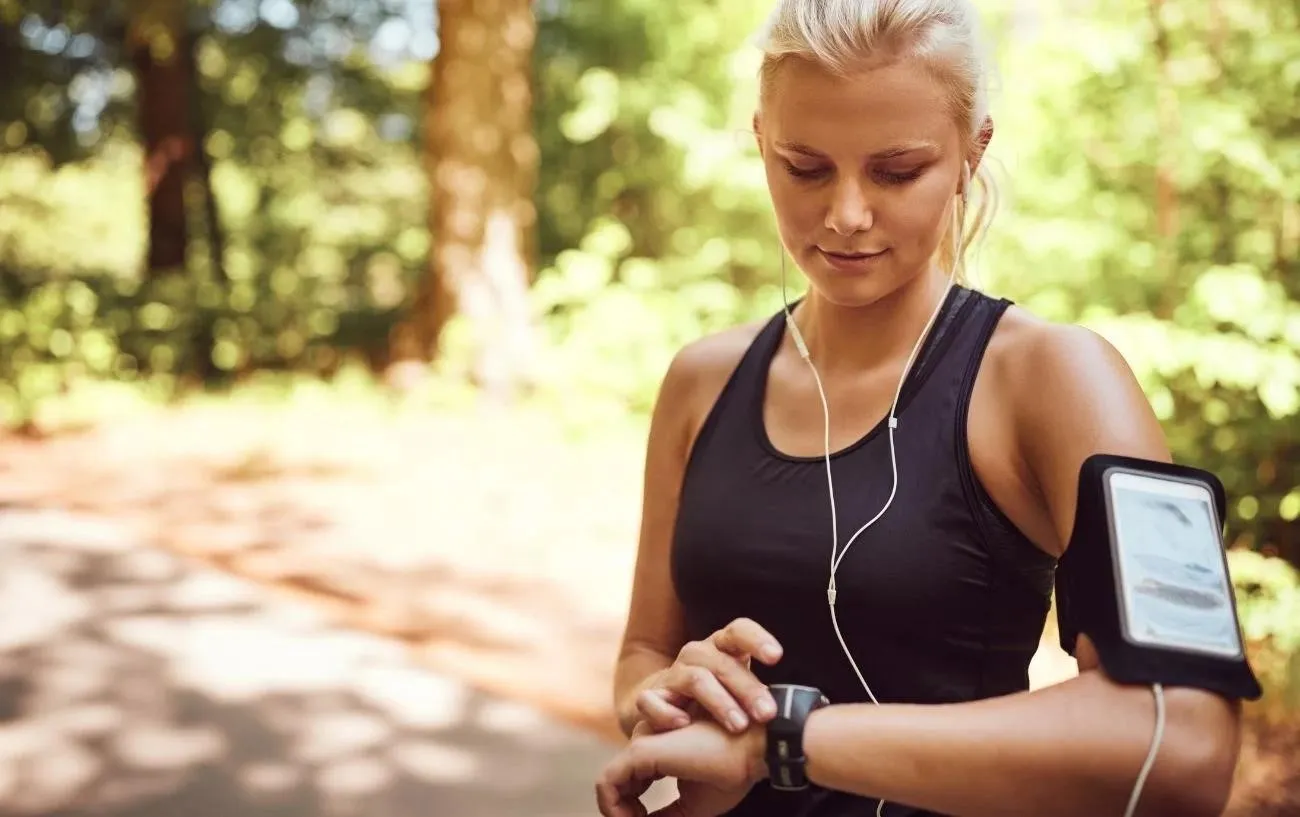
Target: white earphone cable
x=1158 y=691
x=837 y=555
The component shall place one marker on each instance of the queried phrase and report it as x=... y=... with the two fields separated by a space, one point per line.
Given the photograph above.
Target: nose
x=850 y=210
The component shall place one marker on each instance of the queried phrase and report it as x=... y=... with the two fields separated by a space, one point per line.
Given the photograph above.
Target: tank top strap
x=947 y=331
x=752 y=368
x=742 y=388
x=747 y=384
x=1028 y=564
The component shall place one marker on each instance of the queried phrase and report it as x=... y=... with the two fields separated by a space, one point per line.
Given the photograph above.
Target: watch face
x=794 y=702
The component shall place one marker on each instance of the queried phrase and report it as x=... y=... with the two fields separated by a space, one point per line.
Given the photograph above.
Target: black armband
x=1145 y=576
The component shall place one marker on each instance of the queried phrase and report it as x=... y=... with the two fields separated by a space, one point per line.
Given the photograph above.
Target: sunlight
x=437 y=762
x=162 y=746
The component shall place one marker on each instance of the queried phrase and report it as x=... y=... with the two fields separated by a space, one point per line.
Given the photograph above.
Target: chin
x=851 y=290
x=851 y=294
x=857 y=288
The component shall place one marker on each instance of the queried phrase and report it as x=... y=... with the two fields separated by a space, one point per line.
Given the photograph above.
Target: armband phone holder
x=1145 y=576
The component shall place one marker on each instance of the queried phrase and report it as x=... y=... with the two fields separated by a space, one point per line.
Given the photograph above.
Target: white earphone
x=837 y=555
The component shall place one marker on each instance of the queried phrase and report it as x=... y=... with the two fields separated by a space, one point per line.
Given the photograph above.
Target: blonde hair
x=942 y=35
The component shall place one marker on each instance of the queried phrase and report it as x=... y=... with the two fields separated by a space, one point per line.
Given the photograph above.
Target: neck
x=883 y=333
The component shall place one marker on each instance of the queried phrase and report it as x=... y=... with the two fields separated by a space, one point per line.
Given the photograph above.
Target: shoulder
x=1069 y=394
x=1068 y=386
x=710 y=360
x=696 y=377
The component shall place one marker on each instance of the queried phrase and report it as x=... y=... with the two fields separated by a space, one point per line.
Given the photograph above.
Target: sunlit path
x=133 y=683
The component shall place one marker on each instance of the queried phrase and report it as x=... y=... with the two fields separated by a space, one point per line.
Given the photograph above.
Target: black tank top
x=941 y=600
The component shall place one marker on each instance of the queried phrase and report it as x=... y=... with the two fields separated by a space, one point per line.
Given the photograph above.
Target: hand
x=714 y=675
x=714 y=770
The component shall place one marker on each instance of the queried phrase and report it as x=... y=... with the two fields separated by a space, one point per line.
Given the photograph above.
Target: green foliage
x=654 y=217
x=1207 y=313
x=654 y=221
x=316 y=177
x=71 y=307
x=1268 y=601
x=58 y=330
x=53 y=57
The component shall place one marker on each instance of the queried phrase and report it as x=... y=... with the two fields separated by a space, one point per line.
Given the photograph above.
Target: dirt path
x=499 y=548
x=464 y=543
x=134 y=682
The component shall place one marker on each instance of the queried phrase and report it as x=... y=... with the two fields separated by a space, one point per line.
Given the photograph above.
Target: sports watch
x=784 y=755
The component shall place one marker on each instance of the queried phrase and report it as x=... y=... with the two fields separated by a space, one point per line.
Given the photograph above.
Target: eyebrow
x=888 y=153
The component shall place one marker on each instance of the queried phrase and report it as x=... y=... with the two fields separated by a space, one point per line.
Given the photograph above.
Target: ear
x=981 y=143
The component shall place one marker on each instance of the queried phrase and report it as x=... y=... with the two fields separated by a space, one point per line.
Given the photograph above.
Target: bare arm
x=654 y=630
x=1071 y=749
x=658 y=671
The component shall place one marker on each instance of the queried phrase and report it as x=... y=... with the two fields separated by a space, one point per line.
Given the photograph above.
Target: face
x=863 y=173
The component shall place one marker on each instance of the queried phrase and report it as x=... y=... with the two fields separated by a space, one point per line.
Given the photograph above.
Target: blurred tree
x=480 y=159
x=159 y=49
x=68 y=61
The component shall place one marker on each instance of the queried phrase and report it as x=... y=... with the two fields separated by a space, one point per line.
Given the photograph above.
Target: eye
x=900 y=177
x=802 y=172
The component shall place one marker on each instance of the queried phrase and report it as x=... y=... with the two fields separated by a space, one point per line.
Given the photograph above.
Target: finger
x=625 y=779
x=618 y=792
x=613 y=804
x=745 y=637
x=747 y=689
x=743 y=689
x=702 y=685
x=654 y=707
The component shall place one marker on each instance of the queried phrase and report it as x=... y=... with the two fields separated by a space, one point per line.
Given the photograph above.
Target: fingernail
x=765 y=707
x=737 y=720
x=771 y=652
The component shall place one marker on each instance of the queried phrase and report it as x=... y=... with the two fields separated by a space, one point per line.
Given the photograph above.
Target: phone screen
x=1171 y=567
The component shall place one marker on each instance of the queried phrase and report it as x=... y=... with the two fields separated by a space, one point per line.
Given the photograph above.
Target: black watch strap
x=785 y=756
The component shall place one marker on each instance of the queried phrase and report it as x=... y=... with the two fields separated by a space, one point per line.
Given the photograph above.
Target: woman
x=872 y=122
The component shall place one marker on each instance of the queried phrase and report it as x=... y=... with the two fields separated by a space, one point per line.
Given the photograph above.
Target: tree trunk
x=481 y=164
x=156 y=44
x=1167 y=111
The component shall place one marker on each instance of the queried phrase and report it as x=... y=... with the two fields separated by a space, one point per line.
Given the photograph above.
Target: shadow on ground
x=410 y=527
x=134 y=682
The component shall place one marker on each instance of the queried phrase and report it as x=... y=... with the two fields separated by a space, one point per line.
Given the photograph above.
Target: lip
x=852 y=262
